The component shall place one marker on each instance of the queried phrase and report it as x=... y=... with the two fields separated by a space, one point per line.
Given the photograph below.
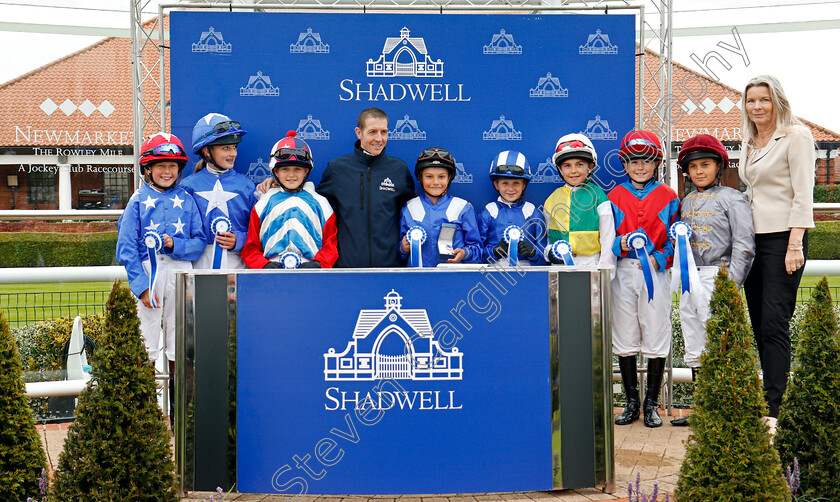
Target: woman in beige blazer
x=777 y=165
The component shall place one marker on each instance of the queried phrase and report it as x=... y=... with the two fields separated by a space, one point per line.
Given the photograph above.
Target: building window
x=41 y=188
x=117 y=187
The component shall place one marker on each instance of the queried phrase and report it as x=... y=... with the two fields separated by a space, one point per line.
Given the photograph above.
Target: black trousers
x=771 y=298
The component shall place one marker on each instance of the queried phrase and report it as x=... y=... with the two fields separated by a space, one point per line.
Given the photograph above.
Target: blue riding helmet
x=216 y=129
x=510 y=164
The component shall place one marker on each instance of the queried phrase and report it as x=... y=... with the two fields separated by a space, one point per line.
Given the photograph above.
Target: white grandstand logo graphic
x=406 y=129
x=404 y=56
x=549 y=87
x=310 y=128
x=598 y=43
x=547 y=173
x=212 y=41
x=502 y=129
x=309 y=42
x=258 y=171
x=599 y=129
x=502 y=43
x=259 y=85
x=461 y=174
x=394 y=343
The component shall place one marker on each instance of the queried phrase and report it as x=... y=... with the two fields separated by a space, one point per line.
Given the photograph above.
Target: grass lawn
x=27 y=303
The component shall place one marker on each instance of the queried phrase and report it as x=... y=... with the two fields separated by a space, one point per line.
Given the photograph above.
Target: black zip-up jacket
x=367 y=193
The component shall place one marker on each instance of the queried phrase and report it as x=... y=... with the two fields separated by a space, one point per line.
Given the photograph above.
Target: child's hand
x=144 y=297
x=226 y=240
x=653 y=264
x=167 y=241
x=459 y=255
x=405 y=245
x=624 y=246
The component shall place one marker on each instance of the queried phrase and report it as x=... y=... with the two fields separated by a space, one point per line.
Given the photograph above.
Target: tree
x=809 y=420
x=729 y=455
x=21 y=455
x=118 y=447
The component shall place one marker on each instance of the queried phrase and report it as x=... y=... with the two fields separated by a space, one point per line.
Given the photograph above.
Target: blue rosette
x=290 y=259
x=562 y=250
x=219 y=225
x=680 y=232
x=639 y=241
x=416 y=236
x=154 y=243
x=512 y=235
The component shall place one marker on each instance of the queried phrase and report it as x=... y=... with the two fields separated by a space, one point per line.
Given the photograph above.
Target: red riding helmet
x=162 y=147
x=640 y=145
x=703 y=146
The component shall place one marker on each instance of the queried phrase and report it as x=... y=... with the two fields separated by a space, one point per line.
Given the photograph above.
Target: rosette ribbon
x=562 y=250
x=680 y=233
x=218 y=225
x=154 y=243
x=416 y=236
x=290 y=259
x=639 y=241
x=512 y=235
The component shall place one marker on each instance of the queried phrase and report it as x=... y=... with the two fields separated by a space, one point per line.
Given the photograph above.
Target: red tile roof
x=85 y=99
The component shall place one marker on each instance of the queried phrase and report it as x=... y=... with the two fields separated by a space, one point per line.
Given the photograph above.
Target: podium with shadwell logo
x=394 y=381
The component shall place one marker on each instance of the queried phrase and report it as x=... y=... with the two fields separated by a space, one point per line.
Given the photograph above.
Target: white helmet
x=574 y=146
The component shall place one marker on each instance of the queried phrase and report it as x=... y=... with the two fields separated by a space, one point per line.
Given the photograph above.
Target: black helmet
x=435 y=157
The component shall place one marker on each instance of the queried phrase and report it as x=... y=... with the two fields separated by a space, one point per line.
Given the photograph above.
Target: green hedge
x=824 y=241
x=827 y=193
x=52 y=249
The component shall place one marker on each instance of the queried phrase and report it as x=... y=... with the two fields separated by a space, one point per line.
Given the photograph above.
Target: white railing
x=55 y=214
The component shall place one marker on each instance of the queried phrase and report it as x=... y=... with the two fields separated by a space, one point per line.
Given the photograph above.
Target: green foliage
x=53 y=249
x=729 y=455
x=41 y=344
x=827 y=193
x=809 y=421
x=21 y=455
x=824 y=241
x=118 y=447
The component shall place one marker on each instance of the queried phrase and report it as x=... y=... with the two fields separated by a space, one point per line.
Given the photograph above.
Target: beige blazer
x=780 y=181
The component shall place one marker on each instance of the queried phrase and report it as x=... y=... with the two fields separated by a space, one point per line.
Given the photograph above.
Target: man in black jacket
x=367 y=189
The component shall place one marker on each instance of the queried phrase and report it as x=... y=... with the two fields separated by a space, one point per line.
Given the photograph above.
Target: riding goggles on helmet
x=509 y=169
x=440 y=153
x=570 y=144
x=164 y=150
x=642 y=141
x=222 y=127
x=297 y=153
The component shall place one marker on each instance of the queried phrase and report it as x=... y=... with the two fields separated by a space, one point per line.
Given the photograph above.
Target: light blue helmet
x=216 y=129
x=510 y=164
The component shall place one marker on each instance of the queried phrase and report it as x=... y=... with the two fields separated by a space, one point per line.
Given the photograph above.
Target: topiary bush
x=53 y=249
x=824 y=241
x=118 y=447
x=729 y=455
x=809 y=419
x=827 y=193
x=21 y=457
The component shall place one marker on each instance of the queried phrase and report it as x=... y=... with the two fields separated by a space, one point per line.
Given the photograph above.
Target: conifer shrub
x=21 y=457
x=729 y=455
x=118 y=447
x=809 y=419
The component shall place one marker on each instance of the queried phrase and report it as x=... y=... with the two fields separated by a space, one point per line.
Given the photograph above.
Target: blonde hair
x=785 y=119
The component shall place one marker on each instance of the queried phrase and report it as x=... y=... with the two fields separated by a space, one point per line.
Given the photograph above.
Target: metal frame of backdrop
x=651 y=115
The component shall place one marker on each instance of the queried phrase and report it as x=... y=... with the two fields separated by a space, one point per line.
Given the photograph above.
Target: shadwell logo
x=387 y=185
x=393 y=343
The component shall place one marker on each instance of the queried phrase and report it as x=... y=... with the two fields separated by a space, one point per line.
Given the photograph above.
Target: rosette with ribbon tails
x=290 y=259
x=154 y=243
x=680 y=233
x=512 y=235
x=562 y=250
x=219 y=225
x=416 y=236
x=639 y=241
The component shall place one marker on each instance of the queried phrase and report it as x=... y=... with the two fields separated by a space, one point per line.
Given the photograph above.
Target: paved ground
x=655 y=454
